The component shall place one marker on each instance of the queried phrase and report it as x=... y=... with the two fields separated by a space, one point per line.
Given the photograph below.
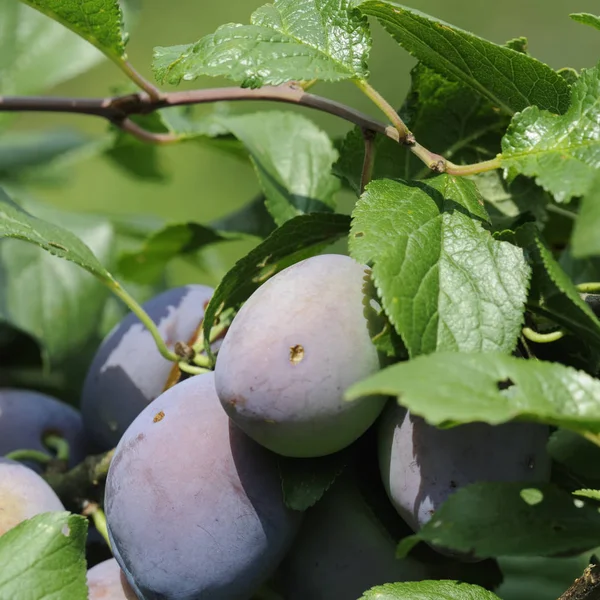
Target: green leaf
x=552 y=293
x=429 y=590
x=305 y=480
x=24 y=151
x=537 y=578
x=252 y=219
x=445 y=283
x=294 y=170
x=44 y=557
x=586 y=241
x=297 y=239
x=287 y=40
x=179 y=239
x=17 y=223
x=562 y=153
x=445 y=116
x=509 y=79
x=33 y=50
x=590 y=494
x=518 y=519
x=492 y=388
x=100 y=22
x=142 y=160
x=580 y=270
x=579 y=455
x=55 y=302
x=586 y=19
x=508 y=203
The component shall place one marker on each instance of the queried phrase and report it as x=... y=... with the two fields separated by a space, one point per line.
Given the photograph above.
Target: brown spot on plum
x=296 y=354
x=159 y=416
x=238 y=401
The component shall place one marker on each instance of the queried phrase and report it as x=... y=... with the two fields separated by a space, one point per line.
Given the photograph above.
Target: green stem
x=561 y=211
x=143 y=316
x=474 y=169
x=201 y=360
x=387 y=109
x=59 y=445
x=33 y=455
x=542 y=338
x=98 y=517
x=152 y=91
x=589 y=288
x=435 y=162
x=191 y=369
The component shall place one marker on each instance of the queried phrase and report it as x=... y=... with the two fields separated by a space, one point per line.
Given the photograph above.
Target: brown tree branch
x=119 y=108
x=586 y=587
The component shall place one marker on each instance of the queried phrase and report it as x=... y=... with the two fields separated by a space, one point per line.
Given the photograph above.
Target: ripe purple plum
x=106 y=581
x=342 y=550
x=23 y=494
x=26 y=417
x=422 y=465
x=290 y=353
x=128 y=372
x=194 y=507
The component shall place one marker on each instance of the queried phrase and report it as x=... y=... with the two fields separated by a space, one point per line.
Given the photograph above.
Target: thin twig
x=118 y=109
x=369 y=158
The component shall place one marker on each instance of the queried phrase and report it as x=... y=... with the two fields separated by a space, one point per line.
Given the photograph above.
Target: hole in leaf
x=504 y=384
x=66 y=530
x=532 y=496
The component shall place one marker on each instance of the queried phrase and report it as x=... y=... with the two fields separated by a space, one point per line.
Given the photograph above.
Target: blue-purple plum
x=27 y=416
x=194 y=507
x=342 y=550
x=128 y=372
x=422 y=465
x=23 y=494
x=290 y=353
x=106 y=581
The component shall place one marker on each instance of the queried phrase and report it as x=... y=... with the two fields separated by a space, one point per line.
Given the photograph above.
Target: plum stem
x=143 y=316
x=592 y=287
x=59 y=445
x=201 y=360
x=542 y=338
x=191 y=369
x=32 y=455
x=94 y=512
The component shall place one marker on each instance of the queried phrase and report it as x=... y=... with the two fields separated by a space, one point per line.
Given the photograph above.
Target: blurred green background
x=204 y=184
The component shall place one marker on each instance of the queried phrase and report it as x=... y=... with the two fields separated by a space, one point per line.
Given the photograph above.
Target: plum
x=23 y=494
x=342 y=550
x=422 y=465
x=128 y=372
x=27 y=416
x=106 y=581
x=290 y=353
x=195 y=507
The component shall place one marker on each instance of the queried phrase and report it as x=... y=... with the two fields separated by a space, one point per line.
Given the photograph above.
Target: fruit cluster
x=193 y=498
